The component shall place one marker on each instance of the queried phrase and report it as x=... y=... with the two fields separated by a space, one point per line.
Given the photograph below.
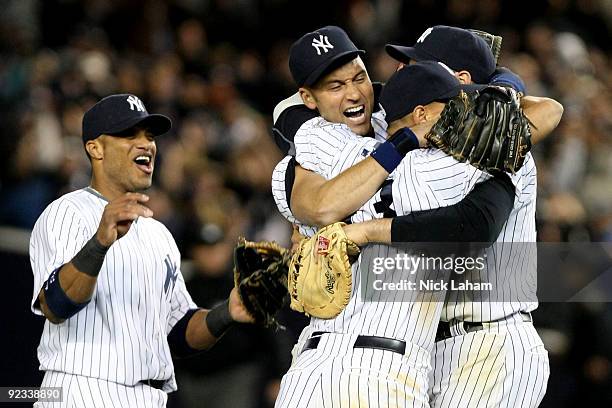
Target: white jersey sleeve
x=328 y=148
x=279 y=189
x=282 y=183
x=58 y=235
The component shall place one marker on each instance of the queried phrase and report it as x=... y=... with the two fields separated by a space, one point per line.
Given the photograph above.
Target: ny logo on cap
x=322 y=43
x=425 y=34
x=136 y=104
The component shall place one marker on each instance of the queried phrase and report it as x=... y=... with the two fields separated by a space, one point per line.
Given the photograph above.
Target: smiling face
x=122 y=163
x=344 y=96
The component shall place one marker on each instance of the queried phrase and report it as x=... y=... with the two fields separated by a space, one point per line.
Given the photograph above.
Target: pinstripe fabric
x=504 y=365
x=87 y=392
x=120 y=336
x=327 y=149
x=425 y=179
x=511 y=264
x=417 y=185
x=337 y=375
x=280 y=198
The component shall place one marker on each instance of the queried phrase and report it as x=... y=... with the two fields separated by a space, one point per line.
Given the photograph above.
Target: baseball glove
x=487 y=128
x=260 y=274
x=493 y=41
x=320 y=275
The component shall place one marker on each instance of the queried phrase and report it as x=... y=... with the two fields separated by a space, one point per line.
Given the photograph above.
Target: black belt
x=444 y=328
x=159 y=384
x=375 y=342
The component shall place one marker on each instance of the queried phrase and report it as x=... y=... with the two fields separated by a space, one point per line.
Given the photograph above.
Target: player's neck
x=106 y=189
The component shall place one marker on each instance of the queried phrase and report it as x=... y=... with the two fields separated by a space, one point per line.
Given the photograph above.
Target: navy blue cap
x=456 y=47
x=116 y=113
x=317 y=53
x=419 y=84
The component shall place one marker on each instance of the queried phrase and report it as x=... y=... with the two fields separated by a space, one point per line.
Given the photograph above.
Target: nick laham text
x=432 y=285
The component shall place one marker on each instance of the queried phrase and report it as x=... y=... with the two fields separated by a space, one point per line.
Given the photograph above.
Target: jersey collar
x=91 y=190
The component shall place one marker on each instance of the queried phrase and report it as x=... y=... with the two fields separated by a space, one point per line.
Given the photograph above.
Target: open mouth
x=356 y=113
x=145 y=163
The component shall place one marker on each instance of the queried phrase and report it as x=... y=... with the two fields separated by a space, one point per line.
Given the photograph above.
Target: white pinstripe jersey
x=511 y=263
x=321 y=159
x=121 y=335
x=425 y=179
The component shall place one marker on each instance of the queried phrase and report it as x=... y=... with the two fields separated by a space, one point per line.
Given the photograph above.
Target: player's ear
x=308 y=98
x=464 y=77
x=419 y=114
x=95 y=149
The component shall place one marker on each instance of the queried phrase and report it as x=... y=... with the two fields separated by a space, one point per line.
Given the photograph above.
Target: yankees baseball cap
x=317 y=53
x=456 y=47
x=116 y=113
x=420 y=84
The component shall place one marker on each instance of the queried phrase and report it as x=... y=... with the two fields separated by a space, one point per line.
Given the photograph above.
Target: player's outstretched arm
x=544 y=115
x=204 y=327
x=479 y=217
x=69 y=288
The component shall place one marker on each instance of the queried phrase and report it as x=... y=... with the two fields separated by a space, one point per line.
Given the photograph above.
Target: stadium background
x=217 y=68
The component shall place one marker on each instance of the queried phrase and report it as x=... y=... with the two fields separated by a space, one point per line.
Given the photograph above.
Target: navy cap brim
x=331 y=64
x=155 y=123
x=406 y=54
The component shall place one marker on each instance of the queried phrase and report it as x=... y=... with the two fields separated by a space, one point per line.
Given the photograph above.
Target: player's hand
x=356 y=233
x=237 y=310
x=118 y=216
x=362 y=233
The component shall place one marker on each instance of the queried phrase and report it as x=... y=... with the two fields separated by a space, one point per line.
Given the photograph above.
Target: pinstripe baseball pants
x=86 y=392
x=503 y=365
x=337 y=375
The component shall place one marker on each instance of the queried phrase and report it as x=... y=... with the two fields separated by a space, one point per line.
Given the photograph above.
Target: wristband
x=404 y=141
x=503 y=76
x=218 y=319
x=90 y=258
x=390 y=153
x=57 y=300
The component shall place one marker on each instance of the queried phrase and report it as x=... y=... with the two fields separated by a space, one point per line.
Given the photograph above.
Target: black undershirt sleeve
x=290 y=180
x=479 y=217
x=287 y=125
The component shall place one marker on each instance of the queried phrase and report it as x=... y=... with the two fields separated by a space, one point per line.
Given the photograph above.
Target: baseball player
x=107 y=275
x=554 y=119
x=487 y=353
x=320 y=202
x=351 y=319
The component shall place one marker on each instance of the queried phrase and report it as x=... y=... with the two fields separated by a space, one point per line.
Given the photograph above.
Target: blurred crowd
x=217 y=68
